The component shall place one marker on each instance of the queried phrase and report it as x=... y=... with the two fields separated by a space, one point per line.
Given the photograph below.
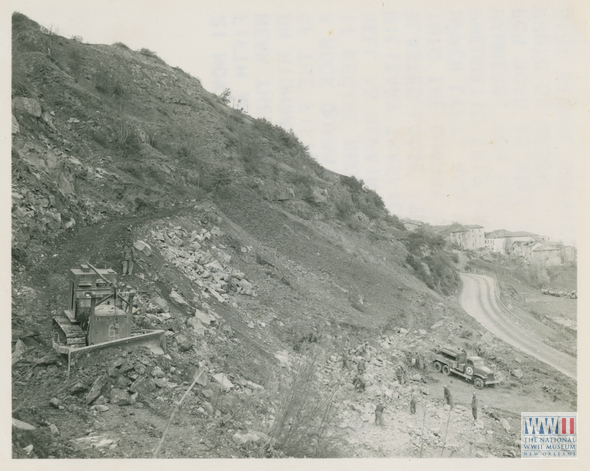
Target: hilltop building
x=468 y=237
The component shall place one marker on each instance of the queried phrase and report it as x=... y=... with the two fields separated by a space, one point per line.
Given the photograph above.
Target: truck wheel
x=478 y=383
x=437 y=366
x=469 y=370
x=446 y=370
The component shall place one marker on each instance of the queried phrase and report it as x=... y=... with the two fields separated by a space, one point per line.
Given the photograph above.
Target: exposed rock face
x=27 y=105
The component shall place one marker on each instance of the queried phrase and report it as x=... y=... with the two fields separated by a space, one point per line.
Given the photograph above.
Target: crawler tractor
x=99 y=316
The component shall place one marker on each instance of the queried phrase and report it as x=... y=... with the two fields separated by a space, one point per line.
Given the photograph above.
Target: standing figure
x=361 y=366
x=400 y=373
x=128 y=258
x=379 y=414
x=359 y=382
x=474 y=406
x=413 y=403
x=345 y=359
x=448 y=396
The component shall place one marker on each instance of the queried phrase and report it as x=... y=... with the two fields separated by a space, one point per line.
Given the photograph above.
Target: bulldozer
x=99 y=316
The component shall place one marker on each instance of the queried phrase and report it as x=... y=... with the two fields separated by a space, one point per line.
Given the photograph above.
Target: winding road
x=478 y=298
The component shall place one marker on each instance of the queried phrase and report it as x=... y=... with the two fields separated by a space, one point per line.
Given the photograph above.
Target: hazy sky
x=468 y=111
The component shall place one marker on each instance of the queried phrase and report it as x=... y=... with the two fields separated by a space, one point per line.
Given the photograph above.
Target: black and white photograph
x=305 y=230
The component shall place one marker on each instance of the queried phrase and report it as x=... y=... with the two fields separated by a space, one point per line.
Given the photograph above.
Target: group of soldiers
x=448 y=398
x=401 y=373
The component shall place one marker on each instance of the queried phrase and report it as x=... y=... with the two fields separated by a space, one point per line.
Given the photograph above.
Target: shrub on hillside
x=426 y=247
x=344 y=207
x=306 y=416
x=394 y=221
x=354 y=185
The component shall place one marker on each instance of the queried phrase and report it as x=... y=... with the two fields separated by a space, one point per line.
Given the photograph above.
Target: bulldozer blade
x=155 y=340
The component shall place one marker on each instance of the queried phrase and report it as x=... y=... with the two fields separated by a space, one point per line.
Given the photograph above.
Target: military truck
x=451 y=360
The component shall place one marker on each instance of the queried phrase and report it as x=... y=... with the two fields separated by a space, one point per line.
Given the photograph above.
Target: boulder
x=19 y=351
x=120 y=397
x=143 y=386
x=517 y=373
x=283 y=358
x=196 y=325
x=224 y=381
x=27 y=105
x=416 y=377
x=177 y=298
x=184 y=343
x=122 y=382
x=142 y=247
x=19 y=424
x=78 y=388
x=242 y=438
x=206 y=319
x=162 y=383
x=161 y=303
x=96 y=389
x=157 y=372
x=403 y=331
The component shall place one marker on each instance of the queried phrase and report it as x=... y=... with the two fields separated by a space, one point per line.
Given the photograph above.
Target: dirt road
x=478 y=298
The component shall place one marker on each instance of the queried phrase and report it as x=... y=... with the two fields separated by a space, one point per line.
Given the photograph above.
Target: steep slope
x=263 y=267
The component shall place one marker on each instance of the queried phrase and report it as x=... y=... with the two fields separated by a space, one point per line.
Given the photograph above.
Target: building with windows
x=468 y=237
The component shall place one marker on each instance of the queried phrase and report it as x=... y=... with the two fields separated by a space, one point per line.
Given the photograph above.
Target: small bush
x=344 y=207
x=77 y=39
x=306 y=417
x=152 y=54
x=122 y=45
x=394 y=221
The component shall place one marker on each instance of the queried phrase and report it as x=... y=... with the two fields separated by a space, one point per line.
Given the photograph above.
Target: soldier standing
x=128 y=258
x=400 y=373
x=379 y=414
x=359 y=382
x=361 y=366
x=345 y=359
x=474 y=406
x=448 y=396
x=413 y=403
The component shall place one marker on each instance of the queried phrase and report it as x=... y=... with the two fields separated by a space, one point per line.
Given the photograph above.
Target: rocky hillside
x=265 y=270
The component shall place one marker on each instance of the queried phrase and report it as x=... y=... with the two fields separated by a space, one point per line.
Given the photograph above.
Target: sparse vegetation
x=306 y=416
x=428 y=250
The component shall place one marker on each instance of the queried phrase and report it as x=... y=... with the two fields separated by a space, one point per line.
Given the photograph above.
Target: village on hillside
x=531 y=248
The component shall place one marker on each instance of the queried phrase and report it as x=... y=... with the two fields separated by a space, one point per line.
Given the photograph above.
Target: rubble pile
x=203 y=262
x=141 y=378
